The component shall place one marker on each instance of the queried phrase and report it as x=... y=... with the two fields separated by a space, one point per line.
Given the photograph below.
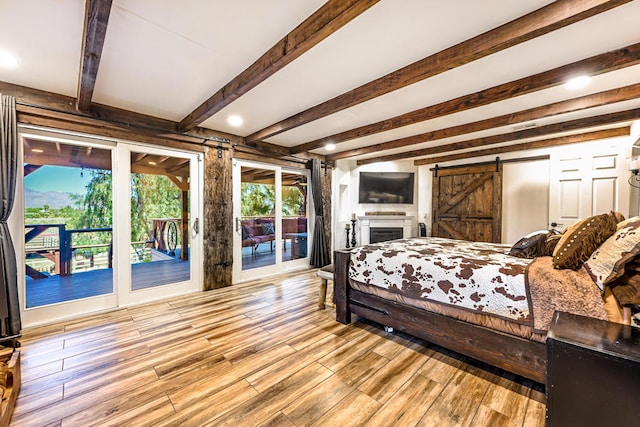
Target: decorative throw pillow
x=551 y=242
x=607 y=263
x=249 y=230
x=268 y=228
x=531 y=245
x=617 y=216
x=626 y=289
x=581 y=239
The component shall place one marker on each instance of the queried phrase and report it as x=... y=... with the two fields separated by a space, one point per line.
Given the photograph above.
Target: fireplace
x=400 y=224
x=382 y=234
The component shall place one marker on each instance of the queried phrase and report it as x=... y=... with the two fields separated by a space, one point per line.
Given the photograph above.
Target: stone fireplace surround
x=384 y=221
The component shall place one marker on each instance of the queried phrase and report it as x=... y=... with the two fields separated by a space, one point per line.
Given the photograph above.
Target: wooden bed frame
x=508 y=352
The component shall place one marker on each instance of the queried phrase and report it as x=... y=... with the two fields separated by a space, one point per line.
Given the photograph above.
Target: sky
x=58 y=178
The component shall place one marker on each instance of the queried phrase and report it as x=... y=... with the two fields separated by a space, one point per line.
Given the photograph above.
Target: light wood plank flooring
x=260 y=353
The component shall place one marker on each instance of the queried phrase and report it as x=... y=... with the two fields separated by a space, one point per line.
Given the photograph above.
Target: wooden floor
x=259 y=353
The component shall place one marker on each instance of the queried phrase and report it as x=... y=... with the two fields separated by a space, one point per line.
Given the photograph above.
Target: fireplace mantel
x=369 y=221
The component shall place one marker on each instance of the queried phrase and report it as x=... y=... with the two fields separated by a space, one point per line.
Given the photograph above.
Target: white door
x=586 y=182
x=272 y=227
x=158 y=252
x=105 y=224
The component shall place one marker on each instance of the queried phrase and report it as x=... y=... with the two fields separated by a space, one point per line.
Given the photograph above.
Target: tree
x=257 y=199
x=96 y=204
x=152 y=196
x=96 y=210
x=293 y=202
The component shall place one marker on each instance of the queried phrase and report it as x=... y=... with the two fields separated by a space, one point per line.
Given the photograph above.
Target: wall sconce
x=633 y=164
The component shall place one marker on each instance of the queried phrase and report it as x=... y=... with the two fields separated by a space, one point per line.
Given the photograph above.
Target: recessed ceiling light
x=37 y=150
x=330 y=146
x=8 y=60
x=577 y=82
x=235 y=120
x=152 y=163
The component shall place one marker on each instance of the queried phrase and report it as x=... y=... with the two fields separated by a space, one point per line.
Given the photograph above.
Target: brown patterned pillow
x=617 y=216
x=607 y=263
x=551 y=243
x=581 y=239
x=626 y=289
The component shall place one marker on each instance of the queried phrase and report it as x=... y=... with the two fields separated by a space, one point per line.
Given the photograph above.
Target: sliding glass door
x=105 y=224
x=271 y=219
x=159 y=223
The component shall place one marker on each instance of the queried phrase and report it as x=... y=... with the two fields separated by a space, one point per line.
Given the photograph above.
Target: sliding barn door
x=467 y=203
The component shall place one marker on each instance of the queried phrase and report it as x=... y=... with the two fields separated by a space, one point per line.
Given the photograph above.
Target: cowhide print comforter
x=474 y=276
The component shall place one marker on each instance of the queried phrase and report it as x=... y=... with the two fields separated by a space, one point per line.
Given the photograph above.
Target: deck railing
x=66 y=258
x=60 y=249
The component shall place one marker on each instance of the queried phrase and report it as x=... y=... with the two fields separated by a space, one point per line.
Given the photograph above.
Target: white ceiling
x=164 y=58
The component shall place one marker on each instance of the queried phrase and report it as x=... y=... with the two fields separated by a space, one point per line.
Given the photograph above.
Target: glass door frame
x=122 y=223
x=240 y=275
x=121 y=296
x=49 y=313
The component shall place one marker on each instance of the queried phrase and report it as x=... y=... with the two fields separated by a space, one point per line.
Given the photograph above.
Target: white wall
x=525 y=198
x=526 y=185
x=346 y=180
x=525 y=189
x=634 y=202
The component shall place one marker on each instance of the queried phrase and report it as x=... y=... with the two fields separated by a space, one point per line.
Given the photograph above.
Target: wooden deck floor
x=57 y=288
x=259 y=353
x=263 y=256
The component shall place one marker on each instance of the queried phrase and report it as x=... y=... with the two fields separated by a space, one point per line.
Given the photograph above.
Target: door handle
x=237 y=224
x=196 y=226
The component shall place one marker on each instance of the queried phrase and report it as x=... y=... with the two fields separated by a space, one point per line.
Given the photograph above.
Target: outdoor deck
x=263 y=256
x=55 y=289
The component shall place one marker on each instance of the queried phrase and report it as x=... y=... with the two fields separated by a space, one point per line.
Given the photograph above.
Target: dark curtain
x=319 y=250
x=10 y=325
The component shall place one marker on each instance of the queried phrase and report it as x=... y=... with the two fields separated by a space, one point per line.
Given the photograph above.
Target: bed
x=477 y=299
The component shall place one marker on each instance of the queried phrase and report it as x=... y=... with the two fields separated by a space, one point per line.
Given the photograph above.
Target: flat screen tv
x=386 y=187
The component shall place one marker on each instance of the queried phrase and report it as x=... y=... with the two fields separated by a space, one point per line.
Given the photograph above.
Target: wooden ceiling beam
x=182 y=185
x=535 y=24
x=596 y=65
x=332 y=16
x=573 y=125
x=42 y=106
x=179 y=166
x=545 y=143
x=571 y=105
x=96 y=19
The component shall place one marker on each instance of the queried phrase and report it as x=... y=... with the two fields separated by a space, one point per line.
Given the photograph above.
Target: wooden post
x=65 y=251
x=218 y=220
x=340 y=286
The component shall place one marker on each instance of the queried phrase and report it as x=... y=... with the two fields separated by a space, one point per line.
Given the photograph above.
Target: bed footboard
x=514 y=354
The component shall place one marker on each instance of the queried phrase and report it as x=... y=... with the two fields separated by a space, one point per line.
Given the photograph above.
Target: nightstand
x=593 y=372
